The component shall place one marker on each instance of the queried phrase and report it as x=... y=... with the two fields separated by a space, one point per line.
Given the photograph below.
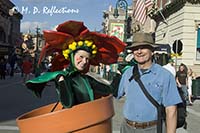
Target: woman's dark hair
x=185 y=67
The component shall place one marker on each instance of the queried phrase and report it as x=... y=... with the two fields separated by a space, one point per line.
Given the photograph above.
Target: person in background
x=140 y=115
x=8 y=68
x=27 y=68
x=191 y=76
x=108 y=72
x=182 y=81
x=170 y=67
x=101 y=70
x=2 y=69
x=12 y=61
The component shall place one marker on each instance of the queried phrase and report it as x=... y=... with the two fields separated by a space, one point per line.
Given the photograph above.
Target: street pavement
x=16 y=100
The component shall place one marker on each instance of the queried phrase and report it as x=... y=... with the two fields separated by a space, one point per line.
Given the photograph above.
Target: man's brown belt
x=141 y=125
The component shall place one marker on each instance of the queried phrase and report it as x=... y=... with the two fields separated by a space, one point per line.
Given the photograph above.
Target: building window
x=198 y=44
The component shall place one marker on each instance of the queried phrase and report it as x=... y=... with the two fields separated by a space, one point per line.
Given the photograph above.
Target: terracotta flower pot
x=90 y=117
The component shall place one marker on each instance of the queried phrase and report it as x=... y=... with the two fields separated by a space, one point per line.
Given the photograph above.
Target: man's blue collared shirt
x=159 y=83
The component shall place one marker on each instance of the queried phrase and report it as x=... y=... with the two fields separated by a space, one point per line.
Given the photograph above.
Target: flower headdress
x=73 y=35
x=87 y=45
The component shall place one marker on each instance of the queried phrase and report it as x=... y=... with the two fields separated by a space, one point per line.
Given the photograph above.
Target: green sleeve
x=105 y=89
x=65 y=93
x=38 y=84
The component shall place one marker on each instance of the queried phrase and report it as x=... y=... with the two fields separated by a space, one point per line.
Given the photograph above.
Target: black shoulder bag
x=160 y=108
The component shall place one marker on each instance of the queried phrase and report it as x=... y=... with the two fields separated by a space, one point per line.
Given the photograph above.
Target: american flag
x=141 y=10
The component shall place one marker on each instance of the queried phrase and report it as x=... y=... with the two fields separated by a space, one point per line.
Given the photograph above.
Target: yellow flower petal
x=70 y=46
x=66 y=57
x=65 y=54
x=74 y=43
x=94 y=52
x=80 y=43
x=86 y=41
x=89 y=44
x=93 y=46
x=73 y=47
x=67 y=51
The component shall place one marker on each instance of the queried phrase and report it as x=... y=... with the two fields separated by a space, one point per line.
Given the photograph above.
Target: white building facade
x=182 y=22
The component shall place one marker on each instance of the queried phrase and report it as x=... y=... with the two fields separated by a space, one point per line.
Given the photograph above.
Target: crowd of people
x=9 y=67
x=24 y=66
x=6 y=68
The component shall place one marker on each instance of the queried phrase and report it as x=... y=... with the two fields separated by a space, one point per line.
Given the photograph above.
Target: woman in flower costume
x=77 y=48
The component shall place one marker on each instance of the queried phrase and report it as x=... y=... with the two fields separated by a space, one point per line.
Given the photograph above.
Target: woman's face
x=81 y=59
x=182 y=68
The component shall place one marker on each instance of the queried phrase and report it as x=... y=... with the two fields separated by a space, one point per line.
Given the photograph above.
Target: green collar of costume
x=88 y=87
x=72 y=70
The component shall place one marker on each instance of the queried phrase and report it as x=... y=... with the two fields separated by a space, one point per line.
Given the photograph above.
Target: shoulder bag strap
x=136 y=76
x=138 y=80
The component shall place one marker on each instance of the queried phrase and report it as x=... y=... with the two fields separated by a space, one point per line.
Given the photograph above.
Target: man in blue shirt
x=140 y=115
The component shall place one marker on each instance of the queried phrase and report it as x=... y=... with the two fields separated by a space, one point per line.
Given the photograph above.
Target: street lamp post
x=37 y=69
x=124 y=5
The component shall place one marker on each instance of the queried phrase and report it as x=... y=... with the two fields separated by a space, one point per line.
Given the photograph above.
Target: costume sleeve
x=38 y=84
x=100 y=88
x=64 y=92
x=115 y=84
x=36 y=88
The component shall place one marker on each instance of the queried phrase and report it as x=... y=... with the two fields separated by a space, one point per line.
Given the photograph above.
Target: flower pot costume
x=77 y=87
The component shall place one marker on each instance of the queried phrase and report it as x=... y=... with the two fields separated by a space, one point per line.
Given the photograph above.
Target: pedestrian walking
x=191 y=76
x=140 y=115
x=2 y=69
x=12 y=60
x=8 y=68
x=182 y=81
x=101 y=67
x=27 y=68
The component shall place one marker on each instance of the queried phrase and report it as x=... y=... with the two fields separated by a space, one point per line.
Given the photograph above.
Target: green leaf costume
x=77 y=88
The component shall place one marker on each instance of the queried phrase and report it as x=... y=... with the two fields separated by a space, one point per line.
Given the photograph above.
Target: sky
x=38 y=13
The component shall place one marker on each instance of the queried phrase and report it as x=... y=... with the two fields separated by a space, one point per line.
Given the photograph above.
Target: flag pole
x=165 y=21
